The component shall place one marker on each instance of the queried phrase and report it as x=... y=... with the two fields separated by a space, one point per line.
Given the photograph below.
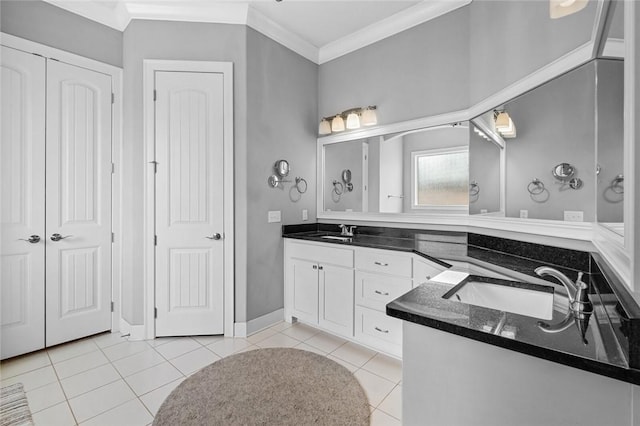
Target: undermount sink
x=532 y=300
x=335 y=237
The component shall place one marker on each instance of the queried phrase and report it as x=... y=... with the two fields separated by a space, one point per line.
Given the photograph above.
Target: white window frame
x=452 y=208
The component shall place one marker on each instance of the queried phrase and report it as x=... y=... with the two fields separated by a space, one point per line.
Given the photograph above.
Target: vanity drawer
x=376 y=329
x=424 y=270
x=375 y=291
x=320 y=254
x=383 y=262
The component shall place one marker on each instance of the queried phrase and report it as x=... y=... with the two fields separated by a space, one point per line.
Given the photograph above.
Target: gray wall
x=511 y=39
x=555 y=124
x=338 y=157
x=177 y=41
x=416 y=73
x=610 y=138
x=281 y=123
x=43 y=23
x=484 y=168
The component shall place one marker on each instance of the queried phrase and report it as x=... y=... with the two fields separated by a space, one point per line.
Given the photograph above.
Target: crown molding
x=392 y=25
x=117 y=18
x=243 y=14
x=278 y=33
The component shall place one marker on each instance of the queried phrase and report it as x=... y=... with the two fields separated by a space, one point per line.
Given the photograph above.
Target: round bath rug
x=279 y=386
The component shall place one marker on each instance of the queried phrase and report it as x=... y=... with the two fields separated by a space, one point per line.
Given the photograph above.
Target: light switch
x=524 y=214
x=573 y=216
x=305 y=214
x=274 y=216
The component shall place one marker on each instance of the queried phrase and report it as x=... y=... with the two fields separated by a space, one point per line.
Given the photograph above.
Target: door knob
x=58 y=237
x=215 y=236
x=32 y=239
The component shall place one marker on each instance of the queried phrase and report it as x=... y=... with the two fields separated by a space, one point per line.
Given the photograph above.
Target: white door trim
x=116 y=150
x=150 y=67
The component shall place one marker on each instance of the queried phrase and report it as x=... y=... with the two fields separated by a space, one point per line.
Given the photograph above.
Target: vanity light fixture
x=354 y=118
x=504 y=124
x=562 y=8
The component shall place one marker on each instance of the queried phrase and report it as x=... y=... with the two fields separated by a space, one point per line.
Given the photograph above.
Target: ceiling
x=318 y=30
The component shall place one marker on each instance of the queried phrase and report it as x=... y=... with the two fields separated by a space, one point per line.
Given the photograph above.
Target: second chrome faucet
x=346 y=230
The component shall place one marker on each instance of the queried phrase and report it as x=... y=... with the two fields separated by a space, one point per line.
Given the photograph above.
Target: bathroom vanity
x=497 y=350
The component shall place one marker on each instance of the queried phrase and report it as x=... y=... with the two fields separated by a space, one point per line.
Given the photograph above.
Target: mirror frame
x=616 y=249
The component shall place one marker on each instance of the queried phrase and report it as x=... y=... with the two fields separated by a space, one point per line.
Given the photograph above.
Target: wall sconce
x=354 y=118
x=504 y=124
x=561 y=8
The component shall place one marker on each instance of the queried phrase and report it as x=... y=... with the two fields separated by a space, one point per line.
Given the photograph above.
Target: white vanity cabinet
x=319 y=286
x=345 y=290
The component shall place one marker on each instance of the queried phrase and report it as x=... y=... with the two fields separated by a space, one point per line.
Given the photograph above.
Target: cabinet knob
x=315 y=266
x=382 y=293
x=428 y=277
x=381 y=330
x=320 y=267
x=381 y=264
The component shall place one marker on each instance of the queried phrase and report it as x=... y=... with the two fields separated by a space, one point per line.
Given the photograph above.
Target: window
x=440 y=178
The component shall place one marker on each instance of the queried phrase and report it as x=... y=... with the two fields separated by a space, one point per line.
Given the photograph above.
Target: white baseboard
x=264 y=321
x=240 y=329
x=136 y=332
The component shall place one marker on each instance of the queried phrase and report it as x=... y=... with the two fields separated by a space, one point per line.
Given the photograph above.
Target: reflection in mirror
x=421 y=171
x=484 y=173
x=610 y=143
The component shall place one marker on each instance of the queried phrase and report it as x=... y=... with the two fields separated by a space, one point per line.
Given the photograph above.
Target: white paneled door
x=22 y=200
x=78 y=202
x=189 y=135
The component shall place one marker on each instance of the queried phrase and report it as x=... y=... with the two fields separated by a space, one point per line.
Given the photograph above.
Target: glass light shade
x=503 y=121
x=337 y=124
x=369 y=117
x=511 y=133
x=353 y=121
x=325 y=127
x=561 y=8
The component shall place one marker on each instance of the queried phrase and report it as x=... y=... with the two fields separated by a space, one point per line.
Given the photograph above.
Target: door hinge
x=113 y=237
x=113 y=168
x=155 y=95
x=111 y=306
x=155 y=166
x=113 y=98
x=155 y=240
x=155 y=312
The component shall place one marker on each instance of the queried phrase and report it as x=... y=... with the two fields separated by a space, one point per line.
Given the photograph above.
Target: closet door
x=78 y=203
x=22 y=199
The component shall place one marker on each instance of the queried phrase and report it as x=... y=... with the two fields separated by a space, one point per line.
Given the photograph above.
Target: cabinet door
x=336 y=299
x=304 y=282
x=22 y=193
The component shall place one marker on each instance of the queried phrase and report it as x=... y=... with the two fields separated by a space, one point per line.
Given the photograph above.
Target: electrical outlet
x=524 y=214
x=274 y=216
x=305 y=214
x=573 y=216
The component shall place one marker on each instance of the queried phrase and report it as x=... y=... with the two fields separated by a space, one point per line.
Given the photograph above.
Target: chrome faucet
x=347 y=231
x=577 y=293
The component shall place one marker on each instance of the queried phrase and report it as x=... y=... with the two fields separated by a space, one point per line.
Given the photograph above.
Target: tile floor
x=107 y=380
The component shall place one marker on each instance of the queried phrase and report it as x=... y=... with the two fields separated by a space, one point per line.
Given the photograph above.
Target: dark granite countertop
x=605 y=347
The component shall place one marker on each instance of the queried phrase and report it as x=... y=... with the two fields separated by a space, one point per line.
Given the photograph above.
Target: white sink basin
x=507 y=298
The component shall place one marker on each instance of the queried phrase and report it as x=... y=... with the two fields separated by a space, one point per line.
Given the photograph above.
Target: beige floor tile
x=282 y=325
x=260 y=336
x=89 y=380
x=300 y=331
x=100 y=400
x=132 y=413
x=58 y=415
x=228 y=346
x=45 y=397
x=178 y=347
x=308 y=348
x=124 y=349
x=385 y=366
x=354 y=353
x=71 y=350
x=379 y=418
x=159 y=341
x=352 y=368
x=278 y=341
x=207 y=340
x=109 y=339
x=23 y=364
x=325 y=342
x=194 y=360
x=79 y=364
x=33 y=379
x=152 y=378
x=138 y=362
x=156 y=397
x=374 y=386
x=392 y=404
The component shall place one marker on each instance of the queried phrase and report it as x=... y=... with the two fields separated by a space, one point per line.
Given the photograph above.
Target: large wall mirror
x=563 y=162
